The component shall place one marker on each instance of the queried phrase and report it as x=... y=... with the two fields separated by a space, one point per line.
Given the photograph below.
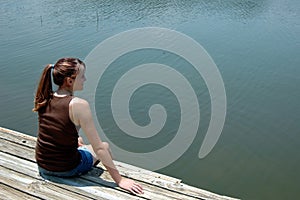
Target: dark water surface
x=254 y=43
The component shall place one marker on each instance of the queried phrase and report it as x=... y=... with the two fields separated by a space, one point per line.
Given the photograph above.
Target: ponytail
x=44 y=91
x=64 y=67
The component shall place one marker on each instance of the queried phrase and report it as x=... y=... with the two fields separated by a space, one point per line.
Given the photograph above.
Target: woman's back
x=56 y=148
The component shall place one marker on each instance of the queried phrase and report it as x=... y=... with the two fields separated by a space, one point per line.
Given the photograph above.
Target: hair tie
x=52 y=66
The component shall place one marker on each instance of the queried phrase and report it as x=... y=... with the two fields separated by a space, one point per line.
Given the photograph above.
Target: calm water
x=254 y=43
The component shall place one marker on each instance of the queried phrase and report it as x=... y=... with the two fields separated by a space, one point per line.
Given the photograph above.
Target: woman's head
x=66 y=68
x=67 y=73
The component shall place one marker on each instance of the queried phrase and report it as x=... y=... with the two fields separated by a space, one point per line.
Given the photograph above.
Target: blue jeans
x=85 y=165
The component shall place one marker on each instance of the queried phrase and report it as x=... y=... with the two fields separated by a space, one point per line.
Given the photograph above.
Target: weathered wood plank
x=29 y=141
x=157 y=186
x=151 y=192
x=16 y=147
x=17 y=150
x=76 y=185
x=7 y=192
x=20 y=138
x=162 y=181
x=36 y=187
x=136 y=172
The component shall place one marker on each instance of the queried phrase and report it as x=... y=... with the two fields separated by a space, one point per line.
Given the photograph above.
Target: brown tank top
x=57 y=142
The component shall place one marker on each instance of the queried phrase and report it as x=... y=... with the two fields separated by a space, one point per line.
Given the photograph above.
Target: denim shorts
x=85 y=165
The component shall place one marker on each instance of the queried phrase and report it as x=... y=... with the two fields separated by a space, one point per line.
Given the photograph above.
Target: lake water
x=254 y=43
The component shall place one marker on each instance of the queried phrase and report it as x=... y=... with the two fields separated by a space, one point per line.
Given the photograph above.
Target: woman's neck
x=63 y=92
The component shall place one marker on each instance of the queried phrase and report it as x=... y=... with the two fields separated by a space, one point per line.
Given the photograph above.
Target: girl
x=59 y=149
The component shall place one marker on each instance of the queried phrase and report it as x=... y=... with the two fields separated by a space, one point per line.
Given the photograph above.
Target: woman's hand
x=80 y=142
x=131 y=186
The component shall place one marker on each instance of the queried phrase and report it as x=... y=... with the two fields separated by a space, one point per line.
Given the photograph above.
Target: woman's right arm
x=81 y=114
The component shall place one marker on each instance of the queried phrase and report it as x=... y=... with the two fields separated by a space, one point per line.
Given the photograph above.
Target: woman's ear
x=69 y=81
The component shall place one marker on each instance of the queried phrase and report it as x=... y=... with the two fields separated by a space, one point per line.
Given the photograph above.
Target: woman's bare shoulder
x=77 y=102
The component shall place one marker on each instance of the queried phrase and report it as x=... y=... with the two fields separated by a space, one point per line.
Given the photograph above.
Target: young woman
x=59 y=149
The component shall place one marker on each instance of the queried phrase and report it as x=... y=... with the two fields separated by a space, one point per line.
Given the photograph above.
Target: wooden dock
x=19 y=178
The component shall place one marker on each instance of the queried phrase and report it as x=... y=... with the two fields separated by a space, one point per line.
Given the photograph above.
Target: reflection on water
x=254 y=43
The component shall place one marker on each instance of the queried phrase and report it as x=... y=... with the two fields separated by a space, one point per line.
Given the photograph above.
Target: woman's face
x=80 y=78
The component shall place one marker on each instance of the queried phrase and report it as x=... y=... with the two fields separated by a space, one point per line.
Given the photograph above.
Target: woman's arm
x=80 y=114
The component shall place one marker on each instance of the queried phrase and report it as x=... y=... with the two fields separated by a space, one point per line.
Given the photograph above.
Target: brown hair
x=64 y=67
